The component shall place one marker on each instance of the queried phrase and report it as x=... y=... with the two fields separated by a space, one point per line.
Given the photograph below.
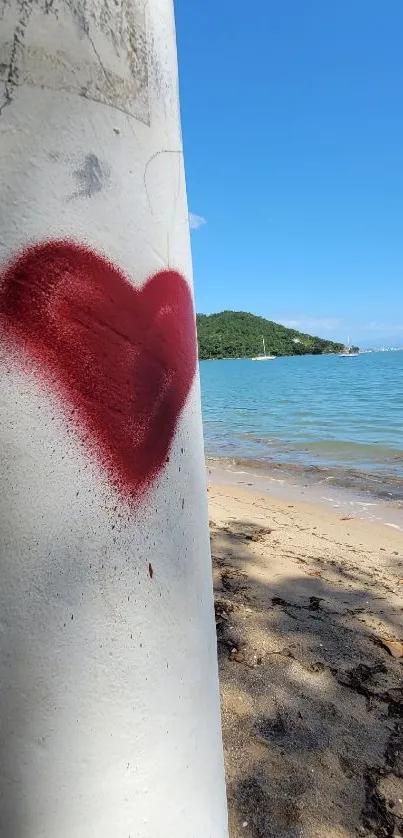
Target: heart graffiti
x=124 y=358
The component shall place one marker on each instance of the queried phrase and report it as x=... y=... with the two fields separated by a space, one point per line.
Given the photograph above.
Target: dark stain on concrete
x=91 y=177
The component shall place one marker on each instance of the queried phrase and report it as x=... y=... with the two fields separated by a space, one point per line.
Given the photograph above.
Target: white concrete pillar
x=109 y=700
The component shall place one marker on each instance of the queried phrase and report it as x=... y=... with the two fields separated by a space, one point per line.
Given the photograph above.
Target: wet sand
x=309 y=620
x=371 y=499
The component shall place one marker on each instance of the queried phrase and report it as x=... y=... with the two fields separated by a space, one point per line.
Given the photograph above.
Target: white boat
x=347 y=352
x=264 y=357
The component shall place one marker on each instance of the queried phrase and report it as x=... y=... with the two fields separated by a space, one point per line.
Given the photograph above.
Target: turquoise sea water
x=320 y=411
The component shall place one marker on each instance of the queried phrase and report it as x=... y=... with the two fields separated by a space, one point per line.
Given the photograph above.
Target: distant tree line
x=237 y=334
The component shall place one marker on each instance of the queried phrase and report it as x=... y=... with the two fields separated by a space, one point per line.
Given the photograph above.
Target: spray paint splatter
x=124 y=358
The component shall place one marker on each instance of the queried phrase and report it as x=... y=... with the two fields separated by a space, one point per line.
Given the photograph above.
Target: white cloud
x=196 y=221
x=312 y=324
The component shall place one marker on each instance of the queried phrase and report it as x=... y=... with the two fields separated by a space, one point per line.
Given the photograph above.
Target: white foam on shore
x=343 y=499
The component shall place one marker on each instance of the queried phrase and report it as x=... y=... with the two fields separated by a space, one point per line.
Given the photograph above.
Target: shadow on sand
x=312 y=705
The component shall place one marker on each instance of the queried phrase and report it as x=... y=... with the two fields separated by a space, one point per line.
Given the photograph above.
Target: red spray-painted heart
x=124 y=358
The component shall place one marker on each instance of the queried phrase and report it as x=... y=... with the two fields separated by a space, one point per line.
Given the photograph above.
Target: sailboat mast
x=264 y=347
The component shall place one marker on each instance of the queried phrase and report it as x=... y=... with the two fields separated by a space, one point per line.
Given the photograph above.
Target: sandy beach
x=309 y=620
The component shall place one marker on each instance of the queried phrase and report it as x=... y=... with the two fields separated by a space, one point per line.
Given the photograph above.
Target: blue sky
x=292 y=120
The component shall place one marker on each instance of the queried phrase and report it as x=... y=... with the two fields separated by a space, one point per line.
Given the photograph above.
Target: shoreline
x=340 y=423
x=346 y=493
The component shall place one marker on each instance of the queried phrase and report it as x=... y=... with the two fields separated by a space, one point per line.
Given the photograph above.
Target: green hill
x=237 y=334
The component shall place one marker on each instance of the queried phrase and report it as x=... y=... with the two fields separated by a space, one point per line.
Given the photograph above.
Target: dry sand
x=307 y=602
